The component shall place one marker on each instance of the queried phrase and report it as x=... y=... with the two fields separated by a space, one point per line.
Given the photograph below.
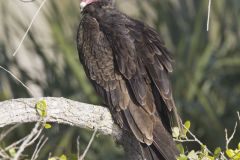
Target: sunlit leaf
x=187 y=125
x=217 y=152
x=204 y=150
x=192 y=155
x=230 y=153
x=180 y=148
x=175 y=132
x=12 y=152
x=63 y=157
x=41 y=107
x=182 y=157
x=47 y=126
x=211 y=158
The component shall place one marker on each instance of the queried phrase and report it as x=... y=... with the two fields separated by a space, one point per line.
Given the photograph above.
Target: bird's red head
x=87 y=2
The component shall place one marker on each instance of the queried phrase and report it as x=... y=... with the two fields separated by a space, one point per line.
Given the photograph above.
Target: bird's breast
x=97 y=57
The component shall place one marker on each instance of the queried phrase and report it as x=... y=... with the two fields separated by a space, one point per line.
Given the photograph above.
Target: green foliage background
x=205 y=81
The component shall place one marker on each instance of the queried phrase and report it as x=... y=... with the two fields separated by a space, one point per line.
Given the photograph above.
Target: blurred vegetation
x=205 y=81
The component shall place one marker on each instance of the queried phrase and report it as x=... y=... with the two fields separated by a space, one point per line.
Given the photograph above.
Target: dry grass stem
x=38 y=148
x=4 y=134
x=17 y=80
x=29 y=27
x=209 y=13
x=78 y=146
x=88 y=146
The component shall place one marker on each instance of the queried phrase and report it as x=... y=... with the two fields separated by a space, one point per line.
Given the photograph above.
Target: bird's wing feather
x=125 y=54
x=141 y=57
x=158 y=62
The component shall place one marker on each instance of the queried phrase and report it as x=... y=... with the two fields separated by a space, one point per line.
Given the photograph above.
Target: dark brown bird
x=128 y=65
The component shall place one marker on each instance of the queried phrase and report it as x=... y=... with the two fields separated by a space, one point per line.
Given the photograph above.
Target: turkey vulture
x=128 y=65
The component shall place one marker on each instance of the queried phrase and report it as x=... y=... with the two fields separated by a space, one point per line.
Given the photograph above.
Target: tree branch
x=65 y=111
x=59 y=110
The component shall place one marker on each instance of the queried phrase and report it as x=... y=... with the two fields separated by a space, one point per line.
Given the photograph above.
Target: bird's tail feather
x=151 y=153
x=163 y=146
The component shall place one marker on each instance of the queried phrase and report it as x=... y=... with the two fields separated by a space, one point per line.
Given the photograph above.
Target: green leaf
x=217 y=152
x=175 y=132
x=236 y=157
x=47 y=126
x=41 y=107
x=210 y=158
x=182 y=157
x=204 y=150
x=63 y=157
x=12 y=152
x=230 y=153
x=180 y=148
x=239 y=146
x=192 y=155
x=187 y=125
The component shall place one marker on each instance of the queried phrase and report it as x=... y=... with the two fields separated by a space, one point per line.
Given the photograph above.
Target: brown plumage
x=128 y=65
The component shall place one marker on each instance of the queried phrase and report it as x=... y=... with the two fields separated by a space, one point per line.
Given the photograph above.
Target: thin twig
x=238 y=116
x=228 y=140
x=3 y=154
x=223 y=157
x=17 y=79
x=25 y=143
x=39 y=147
x=89 y=144
x=196 y=139
x=26 y=1
x=184 y=140
x=209 y=13
x=78 y=146
x=4 y=134
x=35 y=151
x=30 y=25
x=13 y=145
x=35 y=137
